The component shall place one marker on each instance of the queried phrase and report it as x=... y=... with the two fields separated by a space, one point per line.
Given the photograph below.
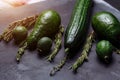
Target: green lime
x=104 y=50
x=20 y=33
x=44 y=44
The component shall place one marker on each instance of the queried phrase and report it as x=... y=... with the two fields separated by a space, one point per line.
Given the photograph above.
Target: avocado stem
x=106 y=58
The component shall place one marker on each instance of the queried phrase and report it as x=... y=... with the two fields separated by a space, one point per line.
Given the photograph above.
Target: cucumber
x=76 y=29
x=107 y=26
x=47 y=25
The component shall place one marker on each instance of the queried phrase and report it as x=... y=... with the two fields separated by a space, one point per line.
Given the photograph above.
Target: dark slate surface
x=33 y=67
x=114 y=3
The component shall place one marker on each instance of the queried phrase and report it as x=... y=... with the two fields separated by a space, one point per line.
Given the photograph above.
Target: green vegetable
x=107 y=26
x=44 y=44
x=104 y=50
x=47 y=24
x=76 y=30
x=20 y=33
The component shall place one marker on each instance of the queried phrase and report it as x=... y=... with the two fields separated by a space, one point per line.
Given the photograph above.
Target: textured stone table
x=33 y=67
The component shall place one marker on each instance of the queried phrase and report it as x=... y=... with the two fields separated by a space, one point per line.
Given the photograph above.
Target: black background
x=115 y=3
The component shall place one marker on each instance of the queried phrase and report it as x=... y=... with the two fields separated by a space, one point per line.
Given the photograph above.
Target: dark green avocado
x=107 y=26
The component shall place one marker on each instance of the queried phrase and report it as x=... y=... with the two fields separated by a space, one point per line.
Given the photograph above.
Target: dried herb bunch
x=27 y=22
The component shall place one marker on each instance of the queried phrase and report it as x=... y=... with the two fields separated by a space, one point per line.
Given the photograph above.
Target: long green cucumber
x=75 y=31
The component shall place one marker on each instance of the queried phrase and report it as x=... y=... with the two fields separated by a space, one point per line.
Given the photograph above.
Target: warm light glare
x=16 y=3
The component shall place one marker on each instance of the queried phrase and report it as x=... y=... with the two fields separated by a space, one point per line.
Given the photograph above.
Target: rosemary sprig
x=84 y=54
x=58 y=41
x=62 y=63
x=27 y=22
x=20 y=52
